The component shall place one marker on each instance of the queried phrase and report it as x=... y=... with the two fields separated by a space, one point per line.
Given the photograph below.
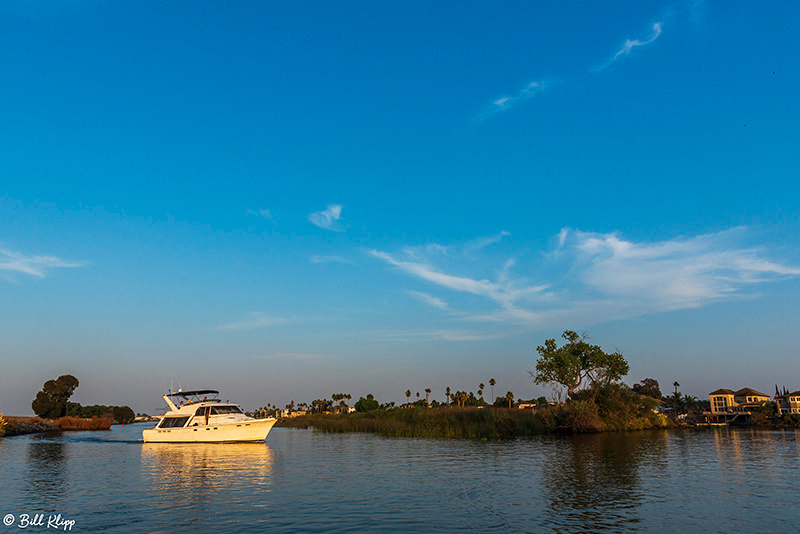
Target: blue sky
x=285 y=201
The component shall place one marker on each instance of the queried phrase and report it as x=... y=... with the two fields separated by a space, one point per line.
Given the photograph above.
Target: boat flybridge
x=200 y=416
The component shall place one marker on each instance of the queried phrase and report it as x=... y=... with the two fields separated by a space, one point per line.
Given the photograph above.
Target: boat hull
x=252 y=430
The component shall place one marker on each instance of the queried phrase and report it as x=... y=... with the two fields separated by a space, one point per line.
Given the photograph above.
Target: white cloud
x=461 y=335
x=506 y=102
x=290 y=356
x=430 y=300
x=482 y=242
x=265 y=213
x=329 y=259
x=674 y=274
x=253 y=321
x=328 y=219
x=17 y=262
x=504 y=292
x=597 y=277
x=630 y=45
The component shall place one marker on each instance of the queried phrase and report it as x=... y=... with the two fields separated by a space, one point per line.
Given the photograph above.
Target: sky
x=287 y=200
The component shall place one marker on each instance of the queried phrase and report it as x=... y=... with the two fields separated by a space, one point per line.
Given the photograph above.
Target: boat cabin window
x=170 y=422
x=200 y=411
x=219 y=410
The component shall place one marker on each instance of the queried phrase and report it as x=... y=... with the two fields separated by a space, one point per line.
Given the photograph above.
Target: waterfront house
x=728 y=401
x=789 y=403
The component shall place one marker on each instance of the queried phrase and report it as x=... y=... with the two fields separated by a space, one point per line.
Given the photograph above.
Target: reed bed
x=608 y=408
x=83 y=423
x=451 y=422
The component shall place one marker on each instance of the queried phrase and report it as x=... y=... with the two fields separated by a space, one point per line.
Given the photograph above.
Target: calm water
x=722 y=480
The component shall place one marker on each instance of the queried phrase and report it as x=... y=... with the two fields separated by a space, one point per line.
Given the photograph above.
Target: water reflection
x=47 y=480
x=191 y=475
x=594 y=482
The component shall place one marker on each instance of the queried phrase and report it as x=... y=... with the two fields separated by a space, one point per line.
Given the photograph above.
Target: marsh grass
x=610 y=407
x=83 y=423
x=448 y=422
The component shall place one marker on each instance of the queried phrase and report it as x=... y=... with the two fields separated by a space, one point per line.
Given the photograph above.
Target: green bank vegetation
x=595 y=401
x=606 y=407
x=52 y=403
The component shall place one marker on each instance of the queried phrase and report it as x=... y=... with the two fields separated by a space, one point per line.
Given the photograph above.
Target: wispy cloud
x=329 y=259
x=608 y=278
x=253 y=321
x=289 y=356
x=476 y=245
x=430 y=300
x=629 y=45
x=503 y=292
x=505 y=102
x=265 y=213
x=328 y=219
x=674 y=274
x=17 y=262
x=461 y=335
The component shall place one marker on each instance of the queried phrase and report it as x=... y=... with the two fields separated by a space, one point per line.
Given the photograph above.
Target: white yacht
x=200 y=416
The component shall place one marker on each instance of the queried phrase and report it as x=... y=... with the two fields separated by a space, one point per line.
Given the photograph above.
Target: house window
x=720 y=404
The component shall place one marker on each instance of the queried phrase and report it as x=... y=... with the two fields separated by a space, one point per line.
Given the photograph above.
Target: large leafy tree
x=649 y=387
x=576 y=363
x=367 y=404
x=51 y=401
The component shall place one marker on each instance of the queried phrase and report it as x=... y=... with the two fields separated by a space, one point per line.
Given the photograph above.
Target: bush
x=367 y=405
x=621 y=408
x=123 y=414
x=6 y=427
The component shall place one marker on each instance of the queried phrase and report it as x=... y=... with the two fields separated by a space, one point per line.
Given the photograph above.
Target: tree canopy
x=367 y=405
x=649 y=387
x=51 y=401
x=576 y=363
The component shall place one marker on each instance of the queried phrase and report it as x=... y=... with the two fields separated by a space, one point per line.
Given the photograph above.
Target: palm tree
x=408 y=396
x=481 y=387
x=510 y=397
x=417 y=394
x=492 y=383
x=428 y=396
x=676 y=386
x=447 y=393
x=480 y=393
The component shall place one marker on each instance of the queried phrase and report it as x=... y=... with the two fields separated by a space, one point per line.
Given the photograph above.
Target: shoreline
x=11 y=425
x=18 y=426
x=495 y=423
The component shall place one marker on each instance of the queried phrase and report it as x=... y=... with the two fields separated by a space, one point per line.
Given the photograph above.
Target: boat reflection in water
x=197 y=476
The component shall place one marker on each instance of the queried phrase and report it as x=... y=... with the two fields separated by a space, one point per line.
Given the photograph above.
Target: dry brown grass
x=82 y=423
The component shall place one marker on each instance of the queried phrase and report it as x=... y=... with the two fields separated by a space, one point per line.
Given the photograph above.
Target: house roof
x=722 y=391
x=792 y=394
x=751 y=392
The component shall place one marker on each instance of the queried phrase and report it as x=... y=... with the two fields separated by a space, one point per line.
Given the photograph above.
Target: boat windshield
x=171 y=422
